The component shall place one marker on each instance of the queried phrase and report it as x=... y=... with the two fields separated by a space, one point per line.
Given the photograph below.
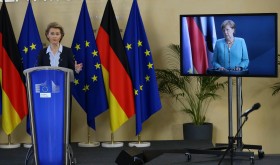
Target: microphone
x=254 y=107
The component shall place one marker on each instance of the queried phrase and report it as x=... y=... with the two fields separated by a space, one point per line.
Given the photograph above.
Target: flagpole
x=139 y=143
x=10 y=144
x=88 y=143
x=144 y=106
x=112 y=143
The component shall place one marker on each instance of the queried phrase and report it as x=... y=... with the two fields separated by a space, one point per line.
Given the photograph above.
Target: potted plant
x=194 y=93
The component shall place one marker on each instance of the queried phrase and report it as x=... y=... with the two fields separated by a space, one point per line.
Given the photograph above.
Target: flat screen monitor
x=208 y=48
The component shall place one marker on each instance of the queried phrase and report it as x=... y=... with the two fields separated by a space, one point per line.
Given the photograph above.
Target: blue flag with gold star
x=29 y=42
x=146 y=94
x=29 y=45
x=89 y=89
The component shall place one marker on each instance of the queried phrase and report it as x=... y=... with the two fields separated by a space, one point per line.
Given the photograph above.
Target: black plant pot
x=198 y=132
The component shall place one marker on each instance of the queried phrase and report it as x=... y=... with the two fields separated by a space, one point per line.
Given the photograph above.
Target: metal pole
x=67 y=95
x=31 y=115
x=112 y=138
x=88 y=135
x=239 y=111
x=230 y=109
x=139 y=139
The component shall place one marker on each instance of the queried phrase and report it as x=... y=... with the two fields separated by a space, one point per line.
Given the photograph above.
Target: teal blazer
x=229 y=58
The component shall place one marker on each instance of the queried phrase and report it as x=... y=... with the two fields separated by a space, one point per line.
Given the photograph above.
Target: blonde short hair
x=228 y=22
x=56 y=26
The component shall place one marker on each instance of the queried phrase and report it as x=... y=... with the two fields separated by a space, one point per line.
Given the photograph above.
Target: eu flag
x=89 y=89
x=29 y=45
x=146 y=95
x=29 y=42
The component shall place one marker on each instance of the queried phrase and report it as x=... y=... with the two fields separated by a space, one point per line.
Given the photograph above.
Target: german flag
x=14 y=100
x=115 y=67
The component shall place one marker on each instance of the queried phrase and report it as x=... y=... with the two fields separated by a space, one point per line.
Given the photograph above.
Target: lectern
x=48 y=90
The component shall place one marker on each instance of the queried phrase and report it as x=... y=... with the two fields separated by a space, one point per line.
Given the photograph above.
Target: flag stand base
x=27 y=145
x=112 y=144
x=10 y=145
x=89 y=144
x=139 y=144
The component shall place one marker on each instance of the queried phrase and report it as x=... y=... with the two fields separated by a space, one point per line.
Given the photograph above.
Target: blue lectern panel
x=48 y=108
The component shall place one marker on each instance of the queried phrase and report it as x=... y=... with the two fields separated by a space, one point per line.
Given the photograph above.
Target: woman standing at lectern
x=56 y=54
x=230 y=52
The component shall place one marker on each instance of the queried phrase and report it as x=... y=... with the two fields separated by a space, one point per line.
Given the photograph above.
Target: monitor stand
x=235 y=146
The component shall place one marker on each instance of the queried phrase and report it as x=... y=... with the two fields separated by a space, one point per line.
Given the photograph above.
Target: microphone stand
x=231 y=142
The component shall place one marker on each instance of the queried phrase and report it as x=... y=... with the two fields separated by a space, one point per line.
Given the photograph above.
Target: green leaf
x=194 y=93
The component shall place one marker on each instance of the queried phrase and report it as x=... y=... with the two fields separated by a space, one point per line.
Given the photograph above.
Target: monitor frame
x=243 y=22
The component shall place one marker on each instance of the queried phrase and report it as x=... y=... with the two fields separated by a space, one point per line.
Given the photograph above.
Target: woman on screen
x=230 y=52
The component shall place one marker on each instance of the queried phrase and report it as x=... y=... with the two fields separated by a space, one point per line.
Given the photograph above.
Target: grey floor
x=159 y=153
